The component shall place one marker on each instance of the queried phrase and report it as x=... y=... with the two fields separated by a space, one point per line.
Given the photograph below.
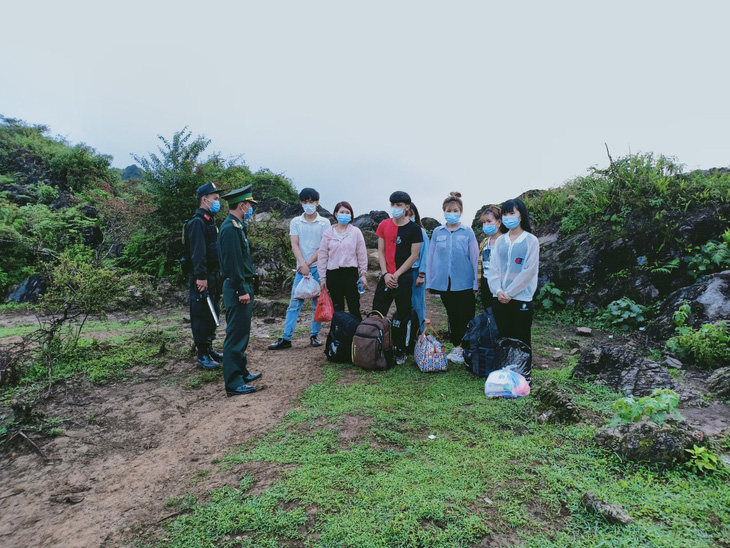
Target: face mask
x=413 y=219
x=309 y=209
x=489 y=229
x=396 y=212
x=343 y=218
x=215 y=206
x=248 y=214
x=510 y=221
x=452 y=218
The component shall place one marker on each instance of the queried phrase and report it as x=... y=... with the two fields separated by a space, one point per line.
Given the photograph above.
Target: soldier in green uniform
x=238 y=291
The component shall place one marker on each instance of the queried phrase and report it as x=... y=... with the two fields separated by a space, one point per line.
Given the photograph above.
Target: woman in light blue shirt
x=418 y=298
x=452 y=271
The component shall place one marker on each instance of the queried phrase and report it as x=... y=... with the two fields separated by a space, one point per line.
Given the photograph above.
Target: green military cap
x=237 y=196
x=207 y=188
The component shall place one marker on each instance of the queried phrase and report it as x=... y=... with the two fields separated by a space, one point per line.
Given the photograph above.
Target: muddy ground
x=129 y=447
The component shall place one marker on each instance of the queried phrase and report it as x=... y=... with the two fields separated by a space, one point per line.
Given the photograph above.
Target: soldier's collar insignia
x=236 y=224
x=206 y=216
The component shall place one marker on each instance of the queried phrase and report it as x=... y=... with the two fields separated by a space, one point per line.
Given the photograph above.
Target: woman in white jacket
x=512 y=275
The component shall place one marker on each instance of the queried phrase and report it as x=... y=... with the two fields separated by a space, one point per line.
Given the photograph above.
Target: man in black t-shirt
x=399 y=243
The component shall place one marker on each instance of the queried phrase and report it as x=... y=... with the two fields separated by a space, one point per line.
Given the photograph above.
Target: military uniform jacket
x=235 y=256
x=201 y=243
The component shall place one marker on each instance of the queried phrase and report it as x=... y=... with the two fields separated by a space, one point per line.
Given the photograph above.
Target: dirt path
x=129 y=447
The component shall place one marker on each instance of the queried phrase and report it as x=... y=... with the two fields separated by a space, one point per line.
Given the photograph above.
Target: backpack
x=479 y=343
x=338 y=347
x=372 y=347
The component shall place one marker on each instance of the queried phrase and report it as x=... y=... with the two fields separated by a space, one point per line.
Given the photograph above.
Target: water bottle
x=360 y=286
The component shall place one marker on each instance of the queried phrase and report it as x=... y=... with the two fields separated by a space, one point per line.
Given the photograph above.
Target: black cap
x=207 y=188
x=242 y=194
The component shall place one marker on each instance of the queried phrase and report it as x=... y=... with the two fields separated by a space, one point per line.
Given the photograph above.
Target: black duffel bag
x=479 y=343
x=338 y=347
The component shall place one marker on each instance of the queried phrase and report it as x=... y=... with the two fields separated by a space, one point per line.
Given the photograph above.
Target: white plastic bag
x=307 y=288
x=505 y=383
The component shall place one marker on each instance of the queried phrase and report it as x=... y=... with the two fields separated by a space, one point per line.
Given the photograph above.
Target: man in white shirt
x=305 y=233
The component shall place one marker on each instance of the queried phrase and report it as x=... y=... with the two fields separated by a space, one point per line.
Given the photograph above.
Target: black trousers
x=514 y=321
x=202 y=323
x=342 y=285
x=460 y=307
x=384 y=296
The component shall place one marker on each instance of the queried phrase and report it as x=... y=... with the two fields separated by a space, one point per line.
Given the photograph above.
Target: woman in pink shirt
x=342 y=255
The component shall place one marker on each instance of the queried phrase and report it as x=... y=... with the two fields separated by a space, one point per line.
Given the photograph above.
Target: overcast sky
x=360 y=99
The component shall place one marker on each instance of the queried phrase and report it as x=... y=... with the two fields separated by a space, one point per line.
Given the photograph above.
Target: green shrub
x=624 y=313
x=145 y=253
x=713 y=256
x=703 y=461
x=661 y=405
x=708 y=346
x=549 y=297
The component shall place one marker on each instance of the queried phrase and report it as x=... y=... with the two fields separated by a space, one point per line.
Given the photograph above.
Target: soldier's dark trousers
x=201 y=320
x=238 y=332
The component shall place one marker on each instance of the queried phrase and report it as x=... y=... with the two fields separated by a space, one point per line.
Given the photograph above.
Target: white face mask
x=309 y=209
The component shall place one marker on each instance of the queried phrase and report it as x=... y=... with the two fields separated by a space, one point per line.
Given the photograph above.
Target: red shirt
x=398 y=242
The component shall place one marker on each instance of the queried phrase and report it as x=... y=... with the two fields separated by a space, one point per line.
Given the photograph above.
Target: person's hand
x=364 y=282
x=323 y=285
x=202 y=285
x=503 y=297
x=420 y=280
x=244 y=299
x=390 y=280
x=303 y=270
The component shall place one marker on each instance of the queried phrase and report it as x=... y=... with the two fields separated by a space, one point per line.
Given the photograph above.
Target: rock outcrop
x=719 y=382
x=647 y=441
x=621 y=369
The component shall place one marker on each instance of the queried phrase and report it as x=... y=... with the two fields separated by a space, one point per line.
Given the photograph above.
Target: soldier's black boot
x=205 y=361
x=214 y=354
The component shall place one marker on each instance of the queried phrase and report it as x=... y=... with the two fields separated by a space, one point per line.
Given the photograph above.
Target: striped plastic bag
x=429 y=353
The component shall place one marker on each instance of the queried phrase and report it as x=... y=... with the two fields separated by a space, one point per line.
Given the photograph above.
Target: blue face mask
x=309 y=209
x=396 y=212
x=510 y=221
x=489 y=229
x=248 y=214
x=413 y=219
x=452 y=218
x=215 y=206
x=343 y=218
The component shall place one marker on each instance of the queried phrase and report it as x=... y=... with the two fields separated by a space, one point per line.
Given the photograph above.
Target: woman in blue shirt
x=418 y=298
x=452 y=271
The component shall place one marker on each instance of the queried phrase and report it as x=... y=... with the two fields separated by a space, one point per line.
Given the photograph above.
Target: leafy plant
x=550 y=297
x=713 y=256
x=662 y=404
x=703 y=461
x=708 y=346
x=624 y=313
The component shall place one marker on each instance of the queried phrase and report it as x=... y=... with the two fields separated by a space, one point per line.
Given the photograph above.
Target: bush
x=661 y=405
x=714 y=256
x=708 y=346
x=549 y=297
x=624 y=314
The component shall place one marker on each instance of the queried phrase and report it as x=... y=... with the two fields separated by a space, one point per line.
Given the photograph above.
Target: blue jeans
x=295 y=307
x=418 y=298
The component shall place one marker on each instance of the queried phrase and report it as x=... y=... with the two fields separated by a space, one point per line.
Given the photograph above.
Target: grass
x=359 y=469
